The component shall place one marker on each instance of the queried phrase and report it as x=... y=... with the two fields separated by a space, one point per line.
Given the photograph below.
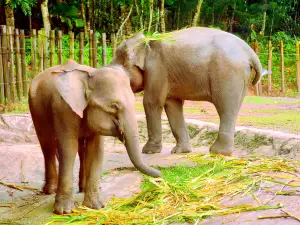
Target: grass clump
x=190 y=194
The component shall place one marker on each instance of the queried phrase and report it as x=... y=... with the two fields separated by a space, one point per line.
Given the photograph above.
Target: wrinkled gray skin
x=73 y=107
x=200 y=64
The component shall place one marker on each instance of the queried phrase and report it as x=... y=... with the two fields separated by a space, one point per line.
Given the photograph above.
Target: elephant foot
x=182 y=148
x=50 y=188
x=62 y=206
x=152 y=148
x=223 y=145
x=92 y=202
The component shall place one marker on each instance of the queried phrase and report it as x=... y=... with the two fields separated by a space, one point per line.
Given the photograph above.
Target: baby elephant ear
x=72 y=87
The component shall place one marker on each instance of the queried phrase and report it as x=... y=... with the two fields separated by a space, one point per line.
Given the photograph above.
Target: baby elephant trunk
x=132 y=144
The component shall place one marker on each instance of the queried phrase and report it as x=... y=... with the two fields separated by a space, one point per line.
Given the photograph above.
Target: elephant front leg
x=67 y=149
x=93 y=165
x=153 y=116
x=174 y=111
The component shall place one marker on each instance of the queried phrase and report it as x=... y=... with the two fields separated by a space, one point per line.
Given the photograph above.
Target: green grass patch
x=191 y=194
x=277 y=119
x=16 y=108
x=271 y=101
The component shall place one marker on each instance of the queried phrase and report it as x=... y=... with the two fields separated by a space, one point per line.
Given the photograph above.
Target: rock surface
x=19 y=129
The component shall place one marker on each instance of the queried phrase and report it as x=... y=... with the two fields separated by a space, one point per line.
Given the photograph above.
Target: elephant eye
x=115 y=106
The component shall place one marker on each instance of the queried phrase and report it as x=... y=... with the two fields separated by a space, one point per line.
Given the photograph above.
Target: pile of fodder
x=190 y=194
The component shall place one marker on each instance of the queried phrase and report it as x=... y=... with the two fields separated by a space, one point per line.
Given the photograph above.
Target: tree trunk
x=151 y=14
x=104 y=14
x=89 y=15
x=157 y=20
x=112 y=16
x=213 y=15
x=197 y=14
x=139 y=14
x=30 y=23
x=272 y=22
x=263 y=27
x=123 y=16
x=82 y=9
x=128 y=24
x=178 y=14
x=10 y=18
x=162 y=17
x=45 y=14
x=232 y=17
x=119 y=32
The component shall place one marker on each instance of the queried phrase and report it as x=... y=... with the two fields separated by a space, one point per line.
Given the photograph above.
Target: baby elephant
x=72 y=107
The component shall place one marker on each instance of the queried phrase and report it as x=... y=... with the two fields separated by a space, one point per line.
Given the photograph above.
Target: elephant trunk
x=131 y=138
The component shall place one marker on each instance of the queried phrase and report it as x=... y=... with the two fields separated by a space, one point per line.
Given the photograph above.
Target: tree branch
x=123 y=23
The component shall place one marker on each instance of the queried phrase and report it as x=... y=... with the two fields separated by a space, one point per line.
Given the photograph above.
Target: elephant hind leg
x=82 y=170
x=228 y=101
x=48 y=145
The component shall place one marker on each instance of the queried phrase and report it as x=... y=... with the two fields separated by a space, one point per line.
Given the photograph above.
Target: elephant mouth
x=120 y=133
x=121 y=136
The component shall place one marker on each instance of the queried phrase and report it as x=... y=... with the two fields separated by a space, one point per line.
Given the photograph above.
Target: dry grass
x=190 y=194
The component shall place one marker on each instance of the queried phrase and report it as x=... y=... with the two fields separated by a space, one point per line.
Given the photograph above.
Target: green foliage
x=25 y=5
x=69 y=13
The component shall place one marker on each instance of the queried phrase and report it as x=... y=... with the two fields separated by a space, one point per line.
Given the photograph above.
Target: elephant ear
x=135 y=48
x=71 y=82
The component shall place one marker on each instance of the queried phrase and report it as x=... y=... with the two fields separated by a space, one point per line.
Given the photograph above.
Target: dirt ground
x=22 y=164
x=282 y=114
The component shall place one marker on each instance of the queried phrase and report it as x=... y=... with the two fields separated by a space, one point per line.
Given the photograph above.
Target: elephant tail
x=256 y=65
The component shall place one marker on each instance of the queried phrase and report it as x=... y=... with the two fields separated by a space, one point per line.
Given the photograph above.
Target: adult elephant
x=200 y=64
x=72 y=107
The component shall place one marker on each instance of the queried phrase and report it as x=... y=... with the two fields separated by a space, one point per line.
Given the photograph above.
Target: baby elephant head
x=104 y=100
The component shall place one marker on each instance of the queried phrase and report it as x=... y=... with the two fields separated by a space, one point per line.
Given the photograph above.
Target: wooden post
x=59 y=46
x=18 y=65
x=95 y=48
x=270 y=67
x=23 y=63
x=282 y=66
x=104 y=58
x=298 y=65
x=45 y=37
x=33 y=52
x=91 y=48
x=71 y=40
x=11 y=64
x=52 y=46
x=40 y=51
x=112 y=43
x=81 y=48
x=2 y=96
x=4 y=43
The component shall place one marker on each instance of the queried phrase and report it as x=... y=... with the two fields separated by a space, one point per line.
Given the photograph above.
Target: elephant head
x=131 y=55
x=105 y=102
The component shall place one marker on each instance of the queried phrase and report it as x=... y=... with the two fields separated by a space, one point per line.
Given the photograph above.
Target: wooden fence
x=47 y=50
x=44 y=49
